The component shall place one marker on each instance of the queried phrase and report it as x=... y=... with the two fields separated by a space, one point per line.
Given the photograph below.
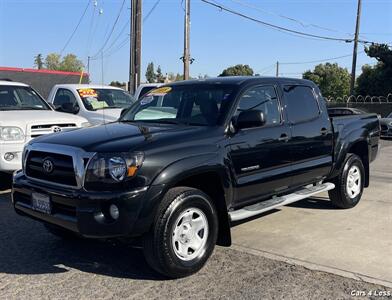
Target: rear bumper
x=86 y=213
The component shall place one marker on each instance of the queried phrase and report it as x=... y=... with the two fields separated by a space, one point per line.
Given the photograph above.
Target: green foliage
x=118 y=84
x=238 y=70
x=53 y=61
x=333 y=81
x=159 y=75
x=376 y=80
x=69 y=63
x=38 y=61
x=150 y=73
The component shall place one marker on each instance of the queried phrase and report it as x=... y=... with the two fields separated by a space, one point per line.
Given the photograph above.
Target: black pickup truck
x=189 y=159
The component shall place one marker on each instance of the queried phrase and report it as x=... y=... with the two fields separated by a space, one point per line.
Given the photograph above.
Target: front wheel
x=349 y=184
x=184 y=234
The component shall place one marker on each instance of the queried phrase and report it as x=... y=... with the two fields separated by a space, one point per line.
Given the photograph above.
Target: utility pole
x=277 y=69
x=88 y=65
x=354 y=66
x=135 y=45
x=187 y=56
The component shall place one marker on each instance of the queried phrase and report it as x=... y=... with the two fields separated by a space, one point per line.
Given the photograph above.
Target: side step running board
x=261 y=207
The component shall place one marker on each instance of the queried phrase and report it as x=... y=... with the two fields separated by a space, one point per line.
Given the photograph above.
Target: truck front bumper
x=87 y=213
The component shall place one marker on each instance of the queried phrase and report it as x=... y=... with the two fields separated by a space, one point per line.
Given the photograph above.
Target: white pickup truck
x=25 y=115
x=99 y=104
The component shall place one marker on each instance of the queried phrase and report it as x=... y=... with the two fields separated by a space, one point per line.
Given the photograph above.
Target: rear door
x=311 y=143
x=260 y=155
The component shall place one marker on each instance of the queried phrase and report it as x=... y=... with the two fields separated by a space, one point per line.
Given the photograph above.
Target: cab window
x=64 y=96
x=261 y=98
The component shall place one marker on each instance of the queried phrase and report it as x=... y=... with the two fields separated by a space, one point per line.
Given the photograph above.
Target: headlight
x=85 y=124
x=390 y=123
x=114 y=167
x=11 y=134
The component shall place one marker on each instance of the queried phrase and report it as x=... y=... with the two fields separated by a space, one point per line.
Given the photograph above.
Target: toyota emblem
x=56 y=129
x=48 y=166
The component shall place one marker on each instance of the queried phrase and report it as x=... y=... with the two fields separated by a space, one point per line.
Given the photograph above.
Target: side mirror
x=250 y=119
x=68 y=108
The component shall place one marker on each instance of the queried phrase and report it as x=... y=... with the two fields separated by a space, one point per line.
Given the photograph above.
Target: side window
x=64 y=96
x=301 y=103
x=261 y=98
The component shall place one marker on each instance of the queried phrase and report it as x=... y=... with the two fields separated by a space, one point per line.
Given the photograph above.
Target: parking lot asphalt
x=355 y=242
x=278 y=255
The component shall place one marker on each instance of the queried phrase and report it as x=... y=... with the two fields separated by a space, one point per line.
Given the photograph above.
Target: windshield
x=94 y=99
x=20 y=98
x=200 y=105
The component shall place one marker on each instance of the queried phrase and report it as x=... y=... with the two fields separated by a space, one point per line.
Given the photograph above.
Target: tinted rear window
x=301 y=103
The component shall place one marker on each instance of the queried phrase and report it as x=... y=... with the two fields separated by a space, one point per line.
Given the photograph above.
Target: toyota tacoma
x=191 y=158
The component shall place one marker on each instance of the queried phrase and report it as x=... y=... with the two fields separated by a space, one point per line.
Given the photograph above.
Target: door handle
x=283 y=137
x=324 y=131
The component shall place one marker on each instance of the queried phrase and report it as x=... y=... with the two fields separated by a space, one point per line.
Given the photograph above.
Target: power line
x=317 y=61
x=124 y=42
x=112 y=30
x=76 y=28
x=276 y=27
x=151 y=11
x=284 y=29
x=302 y=23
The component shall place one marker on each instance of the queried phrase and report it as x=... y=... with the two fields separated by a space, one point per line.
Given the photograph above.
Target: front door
x=260 y=156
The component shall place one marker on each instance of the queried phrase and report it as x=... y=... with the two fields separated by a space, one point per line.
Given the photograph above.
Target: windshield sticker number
x=85 y=93
x=160 y=91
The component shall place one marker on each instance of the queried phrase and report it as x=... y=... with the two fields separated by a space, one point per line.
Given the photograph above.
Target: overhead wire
x=111 y=31
x=300 y=22
x=76 y=27
x=281 y=28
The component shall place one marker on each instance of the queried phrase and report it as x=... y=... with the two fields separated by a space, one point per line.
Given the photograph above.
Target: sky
x=218 y=39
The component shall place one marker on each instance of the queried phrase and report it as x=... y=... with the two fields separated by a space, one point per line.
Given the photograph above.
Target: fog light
x=9 y=156
x=114 y=212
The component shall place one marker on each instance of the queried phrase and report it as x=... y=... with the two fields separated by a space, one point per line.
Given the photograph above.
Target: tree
x=38 y=61
x=333 y=81
x=150 y=73
x=159 y=76
x=179 y=77
x=238 y=70
x=376 y=80
x=71 y=63
x=118 y=84
x=52 y=61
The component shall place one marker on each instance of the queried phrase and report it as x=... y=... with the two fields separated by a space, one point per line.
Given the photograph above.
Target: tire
x=62 y=233
x=349 y=184
x=184 y=234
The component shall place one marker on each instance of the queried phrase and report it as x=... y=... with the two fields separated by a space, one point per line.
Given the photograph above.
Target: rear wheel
x=349 y=184
x=184 y=234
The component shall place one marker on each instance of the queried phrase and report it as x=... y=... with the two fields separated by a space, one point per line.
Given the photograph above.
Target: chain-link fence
x=361 y=99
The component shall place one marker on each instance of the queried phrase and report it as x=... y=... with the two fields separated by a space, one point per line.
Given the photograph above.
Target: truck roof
x=13 y=83
x=90 y=86
x=238 y=80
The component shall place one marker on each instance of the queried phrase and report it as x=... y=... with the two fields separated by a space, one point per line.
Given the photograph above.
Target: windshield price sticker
x=160 y=91
x=84 y=93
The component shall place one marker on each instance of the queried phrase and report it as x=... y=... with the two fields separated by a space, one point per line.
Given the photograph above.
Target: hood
x=17 y=117
x=103 y=116
x=123 y=137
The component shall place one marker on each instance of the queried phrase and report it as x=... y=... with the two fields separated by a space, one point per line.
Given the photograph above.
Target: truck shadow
x=27 y=248
x=314 y=203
